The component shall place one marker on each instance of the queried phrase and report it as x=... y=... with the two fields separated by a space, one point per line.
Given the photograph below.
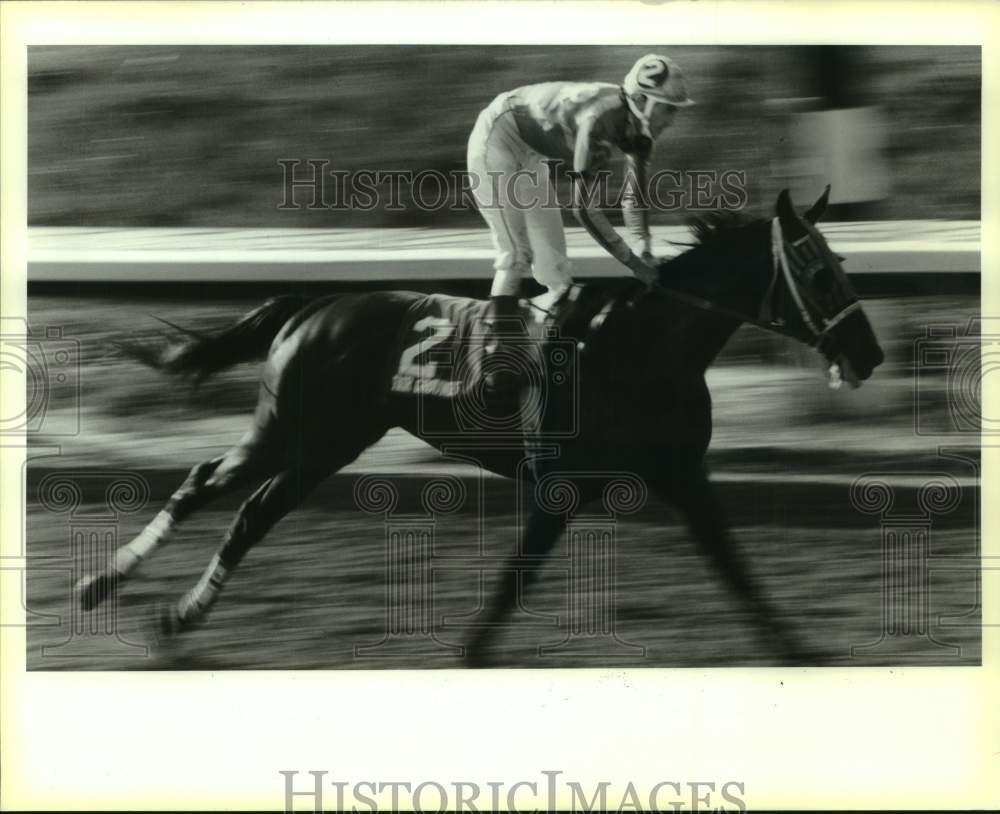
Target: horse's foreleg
x=692 y=493
x=206 y=481
x=273 y=500
x=542 y=532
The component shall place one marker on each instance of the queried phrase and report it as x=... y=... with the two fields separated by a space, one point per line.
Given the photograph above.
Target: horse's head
x=812 y=298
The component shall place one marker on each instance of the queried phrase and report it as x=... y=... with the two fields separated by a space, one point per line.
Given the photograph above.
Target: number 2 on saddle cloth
x=440 y=362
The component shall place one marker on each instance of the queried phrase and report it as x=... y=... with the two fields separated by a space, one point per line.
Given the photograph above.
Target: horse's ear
x=785 y=210
x=815 y=212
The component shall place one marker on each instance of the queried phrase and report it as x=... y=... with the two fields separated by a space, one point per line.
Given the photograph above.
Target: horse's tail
x=202 y=354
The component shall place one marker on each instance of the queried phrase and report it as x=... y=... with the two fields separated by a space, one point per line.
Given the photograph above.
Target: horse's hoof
x=168 y=620
x=797 y=654
x=93 y=589
x=476 y=657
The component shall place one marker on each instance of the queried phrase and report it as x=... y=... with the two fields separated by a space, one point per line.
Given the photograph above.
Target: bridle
x=766 y=319
x=818 y=335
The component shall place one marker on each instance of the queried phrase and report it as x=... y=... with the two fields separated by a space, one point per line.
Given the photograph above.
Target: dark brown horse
x=639 y=403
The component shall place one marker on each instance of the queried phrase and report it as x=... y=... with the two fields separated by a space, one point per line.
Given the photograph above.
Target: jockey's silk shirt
x=580 y=123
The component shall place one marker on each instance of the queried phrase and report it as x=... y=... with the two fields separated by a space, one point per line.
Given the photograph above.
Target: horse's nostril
x=879 y=357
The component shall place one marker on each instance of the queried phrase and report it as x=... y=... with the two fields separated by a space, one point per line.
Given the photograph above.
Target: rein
x=707 y=305
x=761 y=321
x=693 y=301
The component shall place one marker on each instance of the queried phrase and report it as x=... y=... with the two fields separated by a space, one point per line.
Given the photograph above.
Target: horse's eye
x=822 y=277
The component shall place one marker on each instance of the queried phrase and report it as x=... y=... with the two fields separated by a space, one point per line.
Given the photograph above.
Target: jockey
x=578 y=123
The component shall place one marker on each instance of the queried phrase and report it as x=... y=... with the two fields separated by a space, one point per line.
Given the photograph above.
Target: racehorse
x=643 y=405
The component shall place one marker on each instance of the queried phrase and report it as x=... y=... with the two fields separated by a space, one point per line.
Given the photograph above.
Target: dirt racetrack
x=315 y=589
x=313 y=594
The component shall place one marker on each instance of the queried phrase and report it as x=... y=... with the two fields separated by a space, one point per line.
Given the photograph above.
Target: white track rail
x=57 y=254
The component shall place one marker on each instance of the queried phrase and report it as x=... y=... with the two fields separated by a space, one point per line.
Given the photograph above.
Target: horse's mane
x=713 y=227
x=710 y=230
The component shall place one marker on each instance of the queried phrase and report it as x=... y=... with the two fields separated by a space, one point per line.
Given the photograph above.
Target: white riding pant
x=518 y=202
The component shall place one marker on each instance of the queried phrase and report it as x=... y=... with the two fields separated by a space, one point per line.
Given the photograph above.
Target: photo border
x=818 y=737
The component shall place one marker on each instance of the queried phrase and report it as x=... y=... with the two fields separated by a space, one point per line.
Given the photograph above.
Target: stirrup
x=561 y=304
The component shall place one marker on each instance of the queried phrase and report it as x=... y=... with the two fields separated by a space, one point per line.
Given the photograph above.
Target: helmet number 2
x=652 y=74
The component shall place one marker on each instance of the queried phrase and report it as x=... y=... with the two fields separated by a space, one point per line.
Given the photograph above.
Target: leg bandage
x=202 y=596
x=157 y=532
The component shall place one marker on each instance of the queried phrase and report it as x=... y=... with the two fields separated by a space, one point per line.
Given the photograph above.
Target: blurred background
x=186 y=139
x=192 y=136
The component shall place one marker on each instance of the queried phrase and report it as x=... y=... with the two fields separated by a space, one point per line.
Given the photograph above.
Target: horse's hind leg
x=243 y=464
x=275 y=498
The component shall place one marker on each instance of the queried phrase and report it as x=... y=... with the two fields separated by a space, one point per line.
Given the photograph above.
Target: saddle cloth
x=440 y=359
x=441 y=343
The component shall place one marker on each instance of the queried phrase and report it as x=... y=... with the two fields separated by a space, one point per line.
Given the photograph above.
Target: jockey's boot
x=503 y=352
x=563 y=301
